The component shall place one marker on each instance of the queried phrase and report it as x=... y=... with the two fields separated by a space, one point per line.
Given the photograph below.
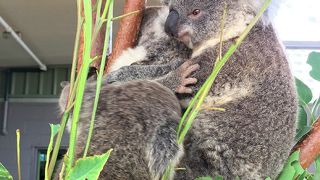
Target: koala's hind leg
x=163 y=151
x=138 y=120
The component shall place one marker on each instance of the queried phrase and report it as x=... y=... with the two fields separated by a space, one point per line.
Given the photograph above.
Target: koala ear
x=165 y=2
x=64 y=84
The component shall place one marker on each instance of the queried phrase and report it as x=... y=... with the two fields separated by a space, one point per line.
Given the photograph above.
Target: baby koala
x=138 y=119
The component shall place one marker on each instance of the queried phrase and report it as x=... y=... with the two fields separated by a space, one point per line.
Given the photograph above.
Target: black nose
x=171 y=26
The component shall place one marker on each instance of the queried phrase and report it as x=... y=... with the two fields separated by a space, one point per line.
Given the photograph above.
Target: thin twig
x=18 y=154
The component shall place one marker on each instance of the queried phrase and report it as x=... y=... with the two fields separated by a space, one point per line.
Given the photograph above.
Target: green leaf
x=4 y=173
x=302 y=118
x=292 y=168
x=168 y=172
x=304 y=92
x=317 y=173
x=218 y=178
x=302 y=132
x=314 y=61
x=204 y=178
x=316 y=108
x=89 y=168
x=302 y=176
x=54 y=131
x=268 y=178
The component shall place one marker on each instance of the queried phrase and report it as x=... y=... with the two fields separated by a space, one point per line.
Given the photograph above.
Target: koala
x=138 y=119
x=253 y=137
x=155 y=56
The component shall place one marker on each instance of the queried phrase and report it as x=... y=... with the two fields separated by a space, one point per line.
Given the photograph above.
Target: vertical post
x=6 y=102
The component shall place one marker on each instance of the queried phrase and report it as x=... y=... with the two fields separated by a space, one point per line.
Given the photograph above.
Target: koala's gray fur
x=157 y=50
x=254 y=136
x=137 y=119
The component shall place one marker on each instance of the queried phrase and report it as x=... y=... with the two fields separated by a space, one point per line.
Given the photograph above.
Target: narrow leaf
x=314 y=61
x=54 y=131
x=302 y=118
x=204 y=178
x=302 y=176
x=4 y=173
x=302 y=132
x=218 y=178
x=89 y=168
x=291 y=169
x=168 y=172
x=317 y=173
x=304 y=92
x=316 y=108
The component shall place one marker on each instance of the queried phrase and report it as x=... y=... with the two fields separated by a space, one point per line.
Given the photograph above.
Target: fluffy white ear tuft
x=269 y=15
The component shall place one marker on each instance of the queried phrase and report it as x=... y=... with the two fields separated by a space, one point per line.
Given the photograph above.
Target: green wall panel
x=2 y=84
x=47 y=82
x=18 y=83
x=31 y=83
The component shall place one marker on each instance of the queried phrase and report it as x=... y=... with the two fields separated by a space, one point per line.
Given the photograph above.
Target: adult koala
x=253 y=137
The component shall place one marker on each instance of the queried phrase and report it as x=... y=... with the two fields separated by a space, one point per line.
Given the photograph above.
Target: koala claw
x=186 y=69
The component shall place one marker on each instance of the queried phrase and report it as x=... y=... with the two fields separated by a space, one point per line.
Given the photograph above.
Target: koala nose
x=171 y=25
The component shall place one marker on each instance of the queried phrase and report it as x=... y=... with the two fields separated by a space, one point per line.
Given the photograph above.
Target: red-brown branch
x=97 y=45
x=128 y=30
x=310 y=146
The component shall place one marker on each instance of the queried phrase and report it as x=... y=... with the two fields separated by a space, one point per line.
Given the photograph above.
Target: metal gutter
x=23 y=45
x=302 y=44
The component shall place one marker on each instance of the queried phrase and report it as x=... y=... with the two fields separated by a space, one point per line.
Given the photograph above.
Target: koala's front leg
x=179 y=79
x=135 y=72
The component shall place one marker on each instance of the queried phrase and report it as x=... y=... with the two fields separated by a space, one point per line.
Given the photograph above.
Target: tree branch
x=310 y=146
x=128 y=30
x=97 y=46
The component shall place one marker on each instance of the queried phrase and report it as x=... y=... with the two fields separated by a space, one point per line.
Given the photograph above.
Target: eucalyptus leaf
x=314 y=61
x=4 y=173
x=89 y=168
x=168 y=172
x=302 y=132
x=218 y=178
x=54 y=131
x=316 y=108
x=302 y=118
x=204 y=178
x=304 y=92
x=317 y=172
x=290 y=170
x=299 y=170
x=302 y=176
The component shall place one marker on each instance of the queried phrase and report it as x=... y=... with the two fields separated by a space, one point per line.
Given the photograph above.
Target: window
x=42 y=161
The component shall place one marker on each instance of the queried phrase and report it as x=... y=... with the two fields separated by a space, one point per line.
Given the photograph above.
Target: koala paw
x=184 y=71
